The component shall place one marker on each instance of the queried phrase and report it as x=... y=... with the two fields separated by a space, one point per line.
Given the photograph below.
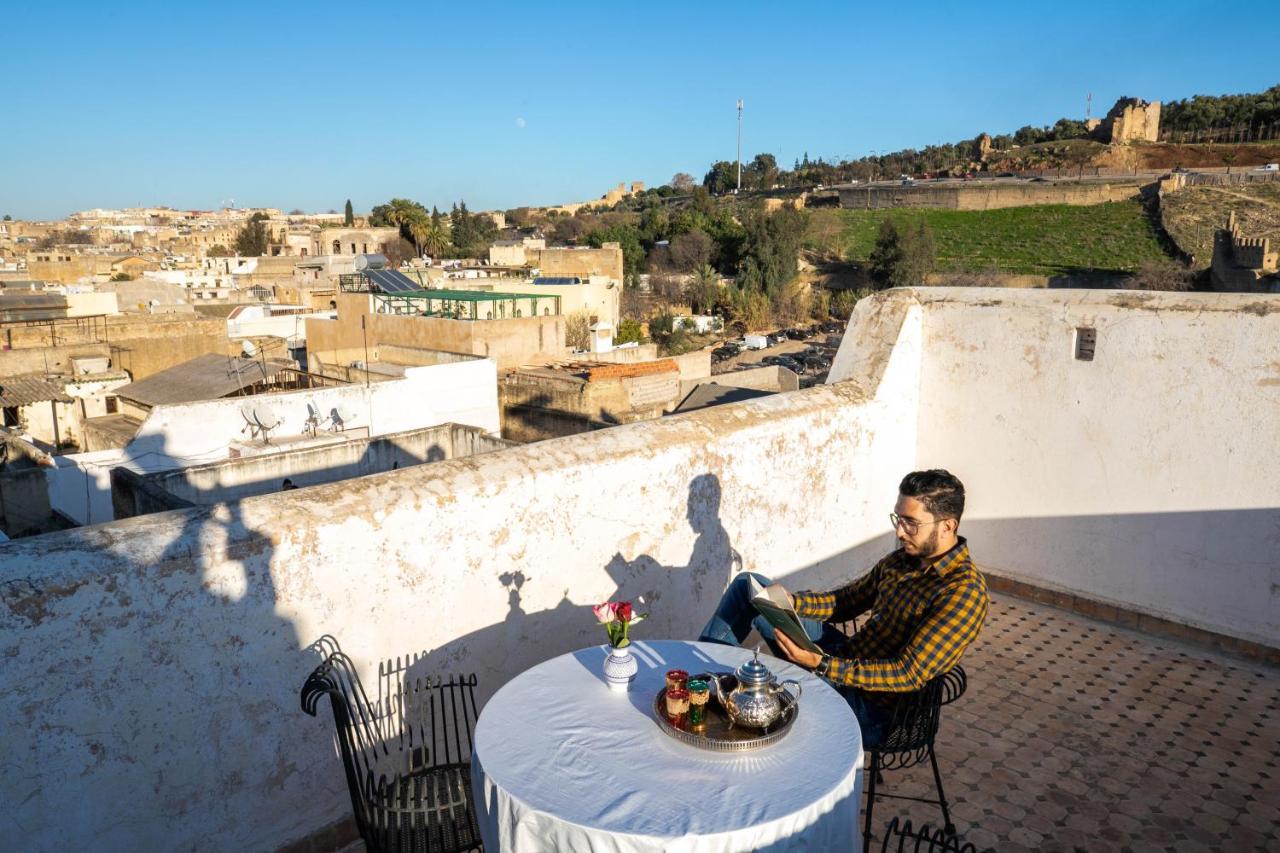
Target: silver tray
x=720 y=734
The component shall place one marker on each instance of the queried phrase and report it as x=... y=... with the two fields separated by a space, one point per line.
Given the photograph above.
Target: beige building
x=353 y=241
x=511 y=341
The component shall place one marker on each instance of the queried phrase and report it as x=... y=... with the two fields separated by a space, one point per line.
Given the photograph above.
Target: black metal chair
x=902 y=839
x=908 y=741
x=407 y=757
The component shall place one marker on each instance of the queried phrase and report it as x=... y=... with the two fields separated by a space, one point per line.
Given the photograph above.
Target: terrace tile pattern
x=1079 y=735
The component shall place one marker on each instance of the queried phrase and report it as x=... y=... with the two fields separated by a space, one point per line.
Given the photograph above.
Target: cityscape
x=278 y=480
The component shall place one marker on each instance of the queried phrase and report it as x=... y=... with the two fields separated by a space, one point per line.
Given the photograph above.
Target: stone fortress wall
x=989 y=195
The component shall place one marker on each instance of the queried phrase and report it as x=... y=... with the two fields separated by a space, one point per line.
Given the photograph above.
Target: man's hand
x=794 y=653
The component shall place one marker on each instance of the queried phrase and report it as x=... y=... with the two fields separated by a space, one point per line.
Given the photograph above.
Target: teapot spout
x=717 y=688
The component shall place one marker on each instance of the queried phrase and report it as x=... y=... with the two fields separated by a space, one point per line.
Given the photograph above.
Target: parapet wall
x=988 y=195
x=154 y=664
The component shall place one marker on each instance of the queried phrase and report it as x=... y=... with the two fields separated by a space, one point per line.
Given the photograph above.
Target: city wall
x=155 y=663
x=987 y=195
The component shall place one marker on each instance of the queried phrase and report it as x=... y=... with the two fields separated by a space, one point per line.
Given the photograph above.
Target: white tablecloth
x=561 y=763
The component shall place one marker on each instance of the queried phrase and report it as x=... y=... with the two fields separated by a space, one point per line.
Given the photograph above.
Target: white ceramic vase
x=620 y=669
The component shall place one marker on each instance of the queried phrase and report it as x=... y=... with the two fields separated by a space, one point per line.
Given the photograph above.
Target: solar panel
x=391 y=281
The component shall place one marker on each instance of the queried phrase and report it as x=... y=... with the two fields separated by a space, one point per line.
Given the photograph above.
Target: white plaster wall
x=154 y=663
x=1146 y=478
x=462 y=392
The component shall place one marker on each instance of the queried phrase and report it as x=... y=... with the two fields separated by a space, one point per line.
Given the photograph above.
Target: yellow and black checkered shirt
x=922 y=619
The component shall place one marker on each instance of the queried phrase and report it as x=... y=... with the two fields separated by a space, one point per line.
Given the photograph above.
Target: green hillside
x=1040 y=240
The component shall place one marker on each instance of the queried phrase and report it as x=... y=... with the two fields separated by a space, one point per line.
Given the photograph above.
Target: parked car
x=790 y=364
x=796 y=334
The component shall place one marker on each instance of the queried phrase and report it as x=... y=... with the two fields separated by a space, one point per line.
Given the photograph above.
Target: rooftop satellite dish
x=248 y=348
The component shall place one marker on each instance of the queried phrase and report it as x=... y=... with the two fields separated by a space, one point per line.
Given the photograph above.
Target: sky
x=304 y=105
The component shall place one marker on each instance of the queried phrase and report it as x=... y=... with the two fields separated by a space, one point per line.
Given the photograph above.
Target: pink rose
x=603 y=613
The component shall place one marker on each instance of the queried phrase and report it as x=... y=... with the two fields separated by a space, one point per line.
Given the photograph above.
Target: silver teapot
x=759 y=699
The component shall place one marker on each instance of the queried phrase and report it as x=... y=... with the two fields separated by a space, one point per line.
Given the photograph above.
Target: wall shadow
x=164 y=685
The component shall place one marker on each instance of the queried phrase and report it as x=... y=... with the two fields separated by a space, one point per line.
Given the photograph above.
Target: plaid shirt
x=922 y=619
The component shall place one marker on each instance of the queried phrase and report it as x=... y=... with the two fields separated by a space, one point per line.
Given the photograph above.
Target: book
x=775 y=606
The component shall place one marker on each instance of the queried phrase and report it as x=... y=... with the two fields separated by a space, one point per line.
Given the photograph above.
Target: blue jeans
x=734 y=618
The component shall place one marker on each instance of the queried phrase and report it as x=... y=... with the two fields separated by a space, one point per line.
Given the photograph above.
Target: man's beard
x=927 y=547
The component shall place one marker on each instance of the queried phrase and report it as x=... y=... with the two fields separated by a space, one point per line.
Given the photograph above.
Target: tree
x=629 y=331
x=1228 y=158
x=682 y=182
x=902 y=258
x=297 y=211
x=121 y=276
x=348 y=215
x=251 y=240
x=722 y=178
x=628 y=237
x=703 y=292
x=762 y=170
x=218 y=251
x=691 y=250
x=397 y=251
x=577 y=331
x=8 y=218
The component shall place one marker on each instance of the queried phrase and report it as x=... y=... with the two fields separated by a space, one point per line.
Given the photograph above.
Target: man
x=927 y=603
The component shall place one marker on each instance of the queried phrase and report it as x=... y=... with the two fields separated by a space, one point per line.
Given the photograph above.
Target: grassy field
x=1041 y=240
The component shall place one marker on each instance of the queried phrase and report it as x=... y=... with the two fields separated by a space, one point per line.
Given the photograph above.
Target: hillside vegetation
x=1041 y=240
x=1193 y=214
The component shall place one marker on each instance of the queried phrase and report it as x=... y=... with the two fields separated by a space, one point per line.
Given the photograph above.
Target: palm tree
x=436 y=238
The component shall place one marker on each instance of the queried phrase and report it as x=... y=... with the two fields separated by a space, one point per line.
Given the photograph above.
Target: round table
x=562 y=763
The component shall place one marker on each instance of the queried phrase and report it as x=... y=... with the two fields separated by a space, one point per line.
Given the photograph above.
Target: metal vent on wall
x=1086 y=343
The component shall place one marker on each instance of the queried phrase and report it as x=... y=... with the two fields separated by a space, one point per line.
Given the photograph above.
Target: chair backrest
x=361 y=732
x=914 y=725
x=902 y=839
x=421 y=723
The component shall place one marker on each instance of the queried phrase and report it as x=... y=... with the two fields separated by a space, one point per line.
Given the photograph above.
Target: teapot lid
x=753 y=672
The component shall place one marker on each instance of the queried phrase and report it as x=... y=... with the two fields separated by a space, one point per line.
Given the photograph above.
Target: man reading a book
x=925 y=602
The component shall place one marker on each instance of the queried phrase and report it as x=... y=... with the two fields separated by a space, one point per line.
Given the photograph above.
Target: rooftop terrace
x=152 y=665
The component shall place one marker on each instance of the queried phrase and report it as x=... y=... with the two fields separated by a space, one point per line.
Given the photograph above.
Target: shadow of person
x=677 y=598
x=693 y=587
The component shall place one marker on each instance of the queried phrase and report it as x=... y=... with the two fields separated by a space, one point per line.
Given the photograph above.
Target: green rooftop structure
x=466 y=304
x=393 y=292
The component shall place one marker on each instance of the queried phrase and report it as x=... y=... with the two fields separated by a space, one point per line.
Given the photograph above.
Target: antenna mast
x=739 y=144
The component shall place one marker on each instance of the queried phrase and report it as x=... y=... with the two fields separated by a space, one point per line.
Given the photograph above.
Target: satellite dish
x=248 y=349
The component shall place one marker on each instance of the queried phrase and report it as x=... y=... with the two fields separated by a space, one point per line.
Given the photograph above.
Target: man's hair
x=940 y=491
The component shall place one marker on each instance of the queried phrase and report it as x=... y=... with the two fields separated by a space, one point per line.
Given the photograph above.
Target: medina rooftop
x=1118 y=450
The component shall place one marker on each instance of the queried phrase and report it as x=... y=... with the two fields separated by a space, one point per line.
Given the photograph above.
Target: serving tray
x=720 y=734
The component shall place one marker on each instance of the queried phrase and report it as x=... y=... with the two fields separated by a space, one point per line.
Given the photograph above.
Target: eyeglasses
x=909 y=525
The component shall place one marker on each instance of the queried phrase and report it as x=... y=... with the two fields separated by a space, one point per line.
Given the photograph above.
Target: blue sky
x=305 y=105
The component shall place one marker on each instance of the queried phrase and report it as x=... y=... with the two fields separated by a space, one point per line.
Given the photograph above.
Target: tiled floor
x=1077 y=735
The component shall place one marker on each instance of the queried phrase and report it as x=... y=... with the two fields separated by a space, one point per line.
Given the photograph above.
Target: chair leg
x=942 y=797
x=871 y=799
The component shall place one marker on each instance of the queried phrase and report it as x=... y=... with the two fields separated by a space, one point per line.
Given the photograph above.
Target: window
x=113 y=405
x=353 y=248
x=364 y=247
x=337 y=247
x=1086 y=343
